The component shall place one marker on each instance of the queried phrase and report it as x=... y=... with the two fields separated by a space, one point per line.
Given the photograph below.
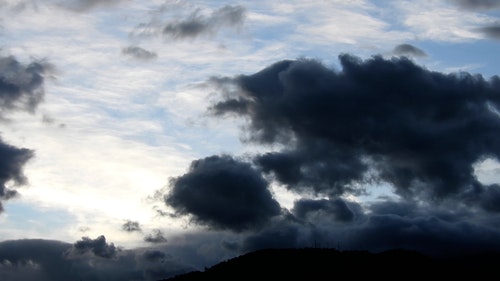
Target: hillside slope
x=329 y=264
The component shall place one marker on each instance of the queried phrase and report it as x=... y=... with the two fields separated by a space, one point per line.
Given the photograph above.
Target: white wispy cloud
x=441 y=21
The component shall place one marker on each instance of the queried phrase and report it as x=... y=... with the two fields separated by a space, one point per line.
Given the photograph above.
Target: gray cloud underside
x=376 y=120
x=21 y=85
x=97 y=246
x=45 y=260
x=85 y=5
x=131 y=226
x=139 y=53
x=492 y=31
x=197 y=24
x=156 y=236
x=478 y=4
x=408 y=50
x=336 y=209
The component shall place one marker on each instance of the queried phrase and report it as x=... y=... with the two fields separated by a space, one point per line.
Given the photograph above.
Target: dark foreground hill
x=331 y=264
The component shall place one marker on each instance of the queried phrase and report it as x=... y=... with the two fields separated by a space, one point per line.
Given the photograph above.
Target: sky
x=142 y=139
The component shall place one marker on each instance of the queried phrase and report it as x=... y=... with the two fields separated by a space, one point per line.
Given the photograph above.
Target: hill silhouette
x=330 y=264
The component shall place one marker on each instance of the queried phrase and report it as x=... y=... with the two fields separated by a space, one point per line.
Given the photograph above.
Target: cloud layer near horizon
x=47 y=260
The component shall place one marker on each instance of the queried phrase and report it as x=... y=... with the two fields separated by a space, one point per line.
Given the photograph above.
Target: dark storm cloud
x=282 y=232
x=198 y=24
x=154 y=255
x=375 y=120
x=155 y=237
x=12 y=161
x=223 y=193
x=21 y=89
x=230 y=245
x=492 y=31
x=311 y=223
x=97 y=246
x=337 y=209
x=139 y=53
x=408 y=50
x=44 y=260
x=489 y=199
x=313 y=166
x=431 y=230
x=21 y=85
x=285 y=236
x=156 y=265
x=33 y=260
x=131 y=226
x=478 y=4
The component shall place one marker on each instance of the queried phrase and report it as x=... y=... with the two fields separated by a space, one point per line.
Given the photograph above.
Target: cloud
x=376 y=120
x=489 y=199
x=439 y=21
x=21 y=85
x=154 y=255
x=12 y=161
x=46 y=260
x=97 y=246
x=433 y=230
x=86 y=5
x=222 y=192
x=33 y=259
x=335 y=24
x=408 y=50
x=478 y=4
x=21 y=89
x=491 y=31
x=139 y=53
x=202 y=248
x=282 y=234
x=198 y=23
x=157 y=265
x=439 y=231
x=335 y=209
x=155 y=237
x=131 y=226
